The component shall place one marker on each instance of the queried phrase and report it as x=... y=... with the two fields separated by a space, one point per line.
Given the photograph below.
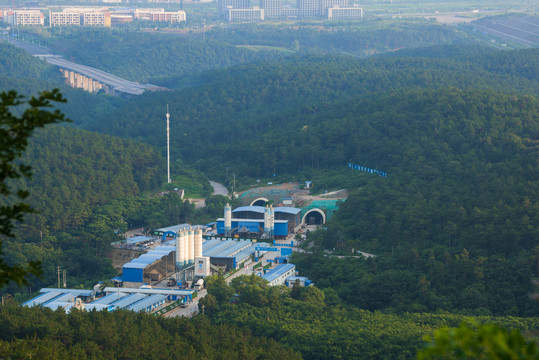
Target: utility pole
x=65 y=278
x=234 y=183
x=58 y=269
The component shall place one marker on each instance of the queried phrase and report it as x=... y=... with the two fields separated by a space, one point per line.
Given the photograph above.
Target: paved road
x=218 y=189
x=115 y=82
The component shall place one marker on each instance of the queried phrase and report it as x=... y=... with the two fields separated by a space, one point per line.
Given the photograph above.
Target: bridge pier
x=80 y=81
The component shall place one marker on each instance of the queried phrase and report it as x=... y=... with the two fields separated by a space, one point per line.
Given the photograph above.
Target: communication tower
x=168 y=147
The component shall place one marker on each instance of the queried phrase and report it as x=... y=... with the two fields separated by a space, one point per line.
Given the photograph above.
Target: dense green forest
x=314 y=323
x=147 y=57
x=47 y=334
x=29 y=75
x=261 y=104
x=154 y=57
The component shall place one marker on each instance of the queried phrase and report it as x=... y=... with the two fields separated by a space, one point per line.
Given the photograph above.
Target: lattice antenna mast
x=168 y=147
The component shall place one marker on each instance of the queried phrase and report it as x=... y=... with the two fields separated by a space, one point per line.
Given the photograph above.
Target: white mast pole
x=168 y=146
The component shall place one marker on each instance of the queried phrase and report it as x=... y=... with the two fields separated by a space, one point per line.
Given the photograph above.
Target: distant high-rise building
x=97 y=19
x=64 y=18
x=345 y=13
x=272 y=8
x=235 y=4
x=326 y=4
x=308 y=9
x=245 y=15
x=25 y=17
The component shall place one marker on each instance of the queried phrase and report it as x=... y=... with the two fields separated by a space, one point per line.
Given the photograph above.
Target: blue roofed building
x=278 y=275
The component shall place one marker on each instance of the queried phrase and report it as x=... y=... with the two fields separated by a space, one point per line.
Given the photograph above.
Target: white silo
x=198 y=243
x=191 y=247
x=228 y=220
x=179 y=261
x=180 y=252
x=186 y=246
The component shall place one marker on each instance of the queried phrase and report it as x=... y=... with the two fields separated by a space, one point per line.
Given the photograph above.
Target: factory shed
x=49 y=295
x=128 y=300
x=278 y=275
x=171 y=294
x=110 y=298
x=155 y=265
x=148 y=304
x=137 y=240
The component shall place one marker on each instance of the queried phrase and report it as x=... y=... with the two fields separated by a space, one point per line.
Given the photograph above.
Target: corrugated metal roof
x=234 y=249
x=244 y=254
x=110 y=298
x=257 y=209
x=40 y=299
x=77 y=292
x=57 y=305
x=149 y=301
x=62 y=298
x=137 y=239
x=219 y=247
x=176 y=292
x=278 y=271
x=208 y=244
x=129 y=300
x=287 y=210
x=134 y=265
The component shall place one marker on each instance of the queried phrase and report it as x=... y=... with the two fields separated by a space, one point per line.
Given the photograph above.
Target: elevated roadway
x=116 y=84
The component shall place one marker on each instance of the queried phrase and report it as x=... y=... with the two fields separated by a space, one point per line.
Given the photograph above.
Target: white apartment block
x=346 y=13
x=25 y=18
x=64 y=18
x=169 y=16
x=97 y=19
x=326 y=4
x=245 y=15
x=273 y=9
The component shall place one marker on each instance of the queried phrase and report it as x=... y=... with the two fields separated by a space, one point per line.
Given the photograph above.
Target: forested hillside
x=76 y=170
x=29 y=75
x=249 y=111
x=314 y=322
x=144 y=57
x=47 y=334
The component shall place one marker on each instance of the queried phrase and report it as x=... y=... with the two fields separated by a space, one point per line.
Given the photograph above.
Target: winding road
x=219 y=189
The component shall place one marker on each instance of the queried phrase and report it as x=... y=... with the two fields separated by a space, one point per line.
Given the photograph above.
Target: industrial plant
x=178 y=258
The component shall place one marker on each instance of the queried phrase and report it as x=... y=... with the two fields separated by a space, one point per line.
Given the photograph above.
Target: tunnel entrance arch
x=261 y=201
x=314 y=217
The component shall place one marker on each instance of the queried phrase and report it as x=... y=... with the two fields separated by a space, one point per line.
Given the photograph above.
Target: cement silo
x=191 y=246
x=198 y=243
x=228 y=220
x=180 y=254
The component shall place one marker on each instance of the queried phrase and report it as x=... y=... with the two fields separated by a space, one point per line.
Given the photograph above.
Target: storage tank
x=198 y=243
x=186 y=246
x=191 y=246
x=228 y=219
x=180 y=259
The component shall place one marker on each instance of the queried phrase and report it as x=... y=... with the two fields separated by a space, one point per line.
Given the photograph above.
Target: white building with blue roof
x=278 y=275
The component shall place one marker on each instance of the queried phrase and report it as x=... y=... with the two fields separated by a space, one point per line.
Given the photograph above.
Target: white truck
x=199 y=285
